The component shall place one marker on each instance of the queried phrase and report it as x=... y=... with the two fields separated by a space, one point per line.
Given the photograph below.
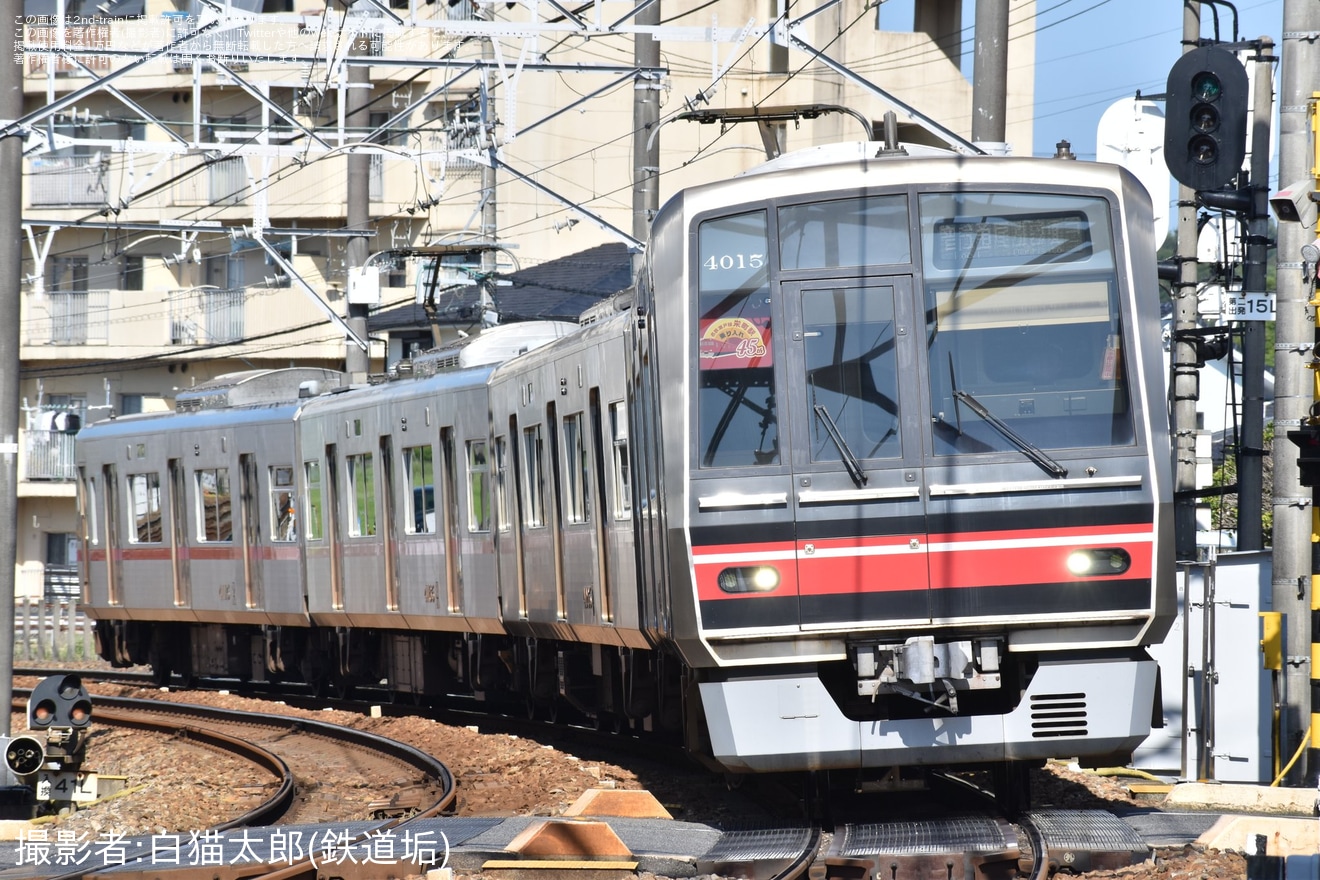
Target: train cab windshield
x=1014 y=297
x=1023 y=331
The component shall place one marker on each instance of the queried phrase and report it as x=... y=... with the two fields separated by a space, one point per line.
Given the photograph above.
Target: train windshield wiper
x=1029 y=449
x=849 y=459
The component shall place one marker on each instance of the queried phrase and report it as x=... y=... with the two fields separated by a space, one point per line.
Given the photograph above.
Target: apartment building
x=188 y=217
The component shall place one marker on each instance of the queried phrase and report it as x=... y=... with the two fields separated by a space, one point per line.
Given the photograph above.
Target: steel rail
x=266 y=813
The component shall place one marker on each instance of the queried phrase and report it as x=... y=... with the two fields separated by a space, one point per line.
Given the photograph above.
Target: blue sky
x=1090 y=53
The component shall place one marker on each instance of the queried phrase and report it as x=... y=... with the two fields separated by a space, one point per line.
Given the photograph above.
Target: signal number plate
x=54 y=786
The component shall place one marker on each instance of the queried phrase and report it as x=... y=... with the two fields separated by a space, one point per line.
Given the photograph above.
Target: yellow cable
x=1126 y=771
x=1306 y=740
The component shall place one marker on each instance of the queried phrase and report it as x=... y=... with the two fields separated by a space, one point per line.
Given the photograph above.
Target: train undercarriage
x=614 y=688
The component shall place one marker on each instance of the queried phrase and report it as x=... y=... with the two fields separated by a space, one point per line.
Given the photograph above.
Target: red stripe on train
x=840 y=566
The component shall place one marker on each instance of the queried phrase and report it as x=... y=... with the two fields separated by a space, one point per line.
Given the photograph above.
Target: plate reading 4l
x=78 y=787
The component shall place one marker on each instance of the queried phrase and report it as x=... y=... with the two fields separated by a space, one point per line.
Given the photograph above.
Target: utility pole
x=490 y=222
x=1296 y=553
x=357 y=361
x=11 y=273
x=646 y=140
x=1184 y=383
x=1250 y=491
x=990 y=72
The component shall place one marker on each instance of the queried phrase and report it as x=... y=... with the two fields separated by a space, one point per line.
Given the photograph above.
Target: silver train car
x=870 y=470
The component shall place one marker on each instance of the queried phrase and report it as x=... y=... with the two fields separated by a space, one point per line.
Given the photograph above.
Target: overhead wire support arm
x=960 y=143
x=265 y=101
x=564 y=200
x=278 y=259
x=12 y=127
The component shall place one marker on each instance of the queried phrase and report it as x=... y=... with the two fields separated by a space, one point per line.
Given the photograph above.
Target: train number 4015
x=715 y=263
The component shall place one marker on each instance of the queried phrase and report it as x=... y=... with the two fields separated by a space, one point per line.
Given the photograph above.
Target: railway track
x=979 y=844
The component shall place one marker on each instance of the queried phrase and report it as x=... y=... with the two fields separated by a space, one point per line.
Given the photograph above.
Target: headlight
x=751 y=579
x=1099 y=562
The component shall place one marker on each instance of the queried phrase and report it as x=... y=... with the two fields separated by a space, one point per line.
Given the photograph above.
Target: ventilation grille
x=1054 y=715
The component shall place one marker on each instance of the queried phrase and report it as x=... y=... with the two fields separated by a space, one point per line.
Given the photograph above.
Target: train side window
x=866 y=231
x=361 y=494
x=419 y=476
x=622 y=465
x=501 y=485
x=313 y=506
x=282 y=511
x=737 y=422
x=144 y=509
x=534 y=477
x=577 y=475
x=214 y=508
x=478 y=494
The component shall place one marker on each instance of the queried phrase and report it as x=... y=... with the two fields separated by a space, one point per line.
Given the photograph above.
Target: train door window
x=214 y=505
x=737 y=422
x=283 y=515
x=87 y=507
x=622 y=465
x=312 y=518
x=851 y=372
x=361 y=494
x=178 y=502
x=450 y=522
x=478 y=468
x=501 y=483
x=388 y=511
x=114 y=588
x=419 y=475
x=144 y=509
x=533 y=478
x=249 y=519
x=577 y=475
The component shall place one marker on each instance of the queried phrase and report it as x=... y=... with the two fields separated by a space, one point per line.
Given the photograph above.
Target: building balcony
x=67 y=180
x=108 y=324
x=48 y=456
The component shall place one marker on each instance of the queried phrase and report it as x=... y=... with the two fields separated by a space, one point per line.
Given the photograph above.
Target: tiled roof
x=556 y=290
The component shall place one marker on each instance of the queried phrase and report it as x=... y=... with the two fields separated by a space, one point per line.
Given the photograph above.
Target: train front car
x=914 y=484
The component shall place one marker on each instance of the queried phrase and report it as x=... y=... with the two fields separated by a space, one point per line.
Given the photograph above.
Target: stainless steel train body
x=871 y=470
x=189 y=517
x=912 y=453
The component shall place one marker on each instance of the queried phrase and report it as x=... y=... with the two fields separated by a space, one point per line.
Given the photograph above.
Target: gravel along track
x=176 y=787
x=180 y=781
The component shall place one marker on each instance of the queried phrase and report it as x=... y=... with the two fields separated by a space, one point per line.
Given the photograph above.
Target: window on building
x=131 y=273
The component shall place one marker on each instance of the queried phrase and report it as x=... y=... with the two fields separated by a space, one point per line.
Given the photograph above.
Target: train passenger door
x=855 y=432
